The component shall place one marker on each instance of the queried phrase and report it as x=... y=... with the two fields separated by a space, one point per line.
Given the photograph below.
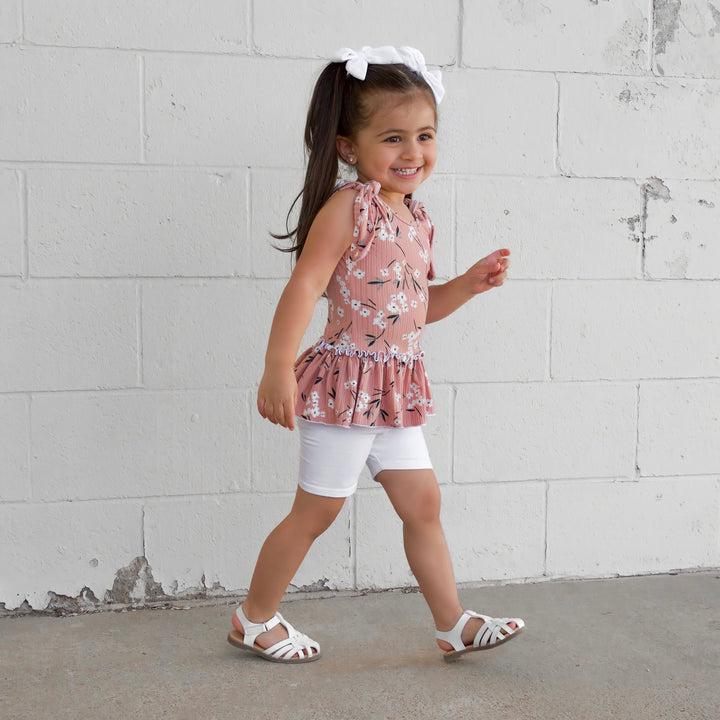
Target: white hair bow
x=357 y=61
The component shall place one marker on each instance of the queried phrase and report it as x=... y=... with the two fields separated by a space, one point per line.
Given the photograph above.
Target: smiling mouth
x=406 y=172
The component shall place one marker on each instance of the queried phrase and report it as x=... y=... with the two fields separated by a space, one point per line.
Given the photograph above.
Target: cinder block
x=139 y=445
x=212 y=110
x=64 y=547
x=498 y=123
x=555 y=227
x=685 y=41
x=635 y=330
x=211 y=334
x=596 y=529
x=539 y=431
x=319 y=27
x=679 y=428
x=14 y=449
x=682 y=231
x=495 y=532
x=500 y=335
x=380 y=557
x=275 y=454
x=141 y=222
x=10 y=24
x=439 y=430
x=216 y=540
x=271 y=195
x=59 y=106
x=438 y=196
x=11 y=237
x=639 y=127
x=577 y=37
x=218 y=26
x=68 y=336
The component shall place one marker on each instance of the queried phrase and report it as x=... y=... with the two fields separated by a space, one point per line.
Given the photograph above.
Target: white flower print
x=364 y=312
x=312 y=406
x=355 y=304
x=359 y=273
x=340 y=312
x=384 y=272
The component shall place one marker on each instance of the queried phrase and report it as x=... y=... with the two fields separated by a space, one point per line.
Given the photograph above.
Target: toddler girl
x=360 y=395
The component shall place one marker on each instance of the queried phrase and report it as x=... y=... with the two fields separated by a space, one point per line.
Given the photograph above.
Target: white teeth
x=409 y=171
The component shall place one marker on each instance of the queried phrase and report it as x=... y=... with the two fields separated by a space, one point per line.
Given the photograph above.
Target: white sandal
x=296 y=648
x=493 y=632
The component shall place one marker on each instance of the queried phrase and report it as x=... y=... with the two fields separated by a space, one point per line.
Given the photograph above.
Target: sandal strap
x=296 y=643
x=454 y=636
x=491 y=631
x=251 y=630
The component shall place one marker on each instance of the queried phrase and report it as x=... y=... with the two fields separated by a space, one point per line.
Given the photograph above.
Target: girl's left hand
x=489 y=272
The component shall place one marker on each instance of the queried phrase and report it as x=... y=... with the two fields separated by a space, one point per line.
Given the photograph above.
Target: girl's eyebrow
x=402 y=130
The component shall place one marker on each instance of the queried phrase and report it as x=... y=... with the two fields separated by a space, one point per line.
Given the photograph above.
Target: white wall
x=145 y=152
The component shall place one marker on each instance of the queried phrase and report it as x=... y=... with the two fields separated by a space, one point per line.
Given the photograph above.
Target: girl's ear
x=346 y=149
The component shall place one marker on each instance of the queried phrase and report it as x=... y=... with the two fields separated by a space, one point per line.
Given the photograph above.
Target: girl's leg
x=281 y=555
x=415 y=495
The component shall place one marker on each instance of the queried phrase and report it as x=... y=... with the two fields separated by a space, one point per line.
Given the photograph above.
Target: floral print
x=367 y=369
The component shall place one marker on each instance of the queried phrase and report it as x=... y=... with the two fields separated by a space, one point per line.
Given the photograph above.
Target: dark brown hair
x=340 y=105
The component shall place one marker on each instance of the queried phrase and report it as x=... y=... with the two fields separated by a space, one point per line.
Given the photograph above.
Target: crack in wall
x=655 y=188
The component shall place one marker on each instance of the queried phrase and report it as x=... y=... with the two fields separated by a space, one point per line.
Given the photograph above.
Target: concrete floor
x=632 y=649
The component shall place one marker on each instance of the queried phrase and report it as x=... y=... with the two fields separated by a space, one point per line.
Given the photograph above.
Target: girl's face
x=397 y=148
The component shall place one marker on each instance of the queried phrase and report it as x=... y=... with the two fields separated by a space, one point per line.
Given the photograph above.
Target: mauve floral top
x=367 y=368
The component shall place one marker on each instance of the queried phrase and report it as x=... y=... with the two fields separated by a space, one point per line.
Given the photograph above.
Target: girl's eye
x=392 y=139
x=425 y=137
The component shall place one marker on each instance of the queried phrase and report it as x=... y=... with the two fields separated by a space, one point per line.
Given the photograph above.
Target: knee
x=320 y=522
x=312 y=520
x=424 y=508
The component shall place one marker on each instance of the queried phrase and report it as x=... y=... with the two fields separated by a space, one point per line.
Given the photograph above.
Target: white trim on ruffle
x=381 y=356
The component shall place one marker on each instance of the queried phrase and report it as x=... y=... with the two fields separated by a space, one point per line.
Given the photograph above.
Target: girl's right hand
x=277 y=396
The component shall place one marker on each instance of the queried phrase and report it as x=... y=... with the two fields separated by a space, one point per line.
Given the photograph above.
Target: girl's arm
x=329 y=237
x=484 y=275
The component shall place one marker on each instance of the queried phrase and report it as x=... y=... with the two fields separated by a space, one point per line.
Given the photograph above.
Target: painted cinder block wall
x=146 y=151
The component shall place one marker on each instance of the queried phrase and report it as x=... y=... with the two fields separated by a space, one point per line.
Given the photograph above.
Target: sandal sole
x=236 y=639
x=453 y=655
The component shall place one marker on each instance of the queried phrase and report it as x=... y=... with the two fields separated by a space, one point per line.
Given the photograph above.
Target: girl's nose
x=412 y=150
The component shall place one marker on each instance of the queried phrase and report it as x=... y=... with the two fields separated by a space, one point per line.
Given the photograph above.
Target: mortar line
x=549 y=375
x=28 y=435
x=24 y=225
x=250 y=37
x=453 y=403
x=21 y=18
x=461 y=22
x=139 y=337
x=651 y=36
x=251 y=437
x=547 y=522
x=354 y=541
x=637 y=431
x=142 y=530
x=143 y=118
x=558 y=166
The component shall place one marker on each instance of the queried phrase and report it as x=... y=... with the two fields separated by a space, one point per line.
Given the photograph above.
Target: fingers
x=283 y=414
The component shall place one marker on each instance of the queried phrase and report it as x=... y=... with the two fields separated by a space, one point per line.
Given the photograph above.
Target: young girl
x=361 y=394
